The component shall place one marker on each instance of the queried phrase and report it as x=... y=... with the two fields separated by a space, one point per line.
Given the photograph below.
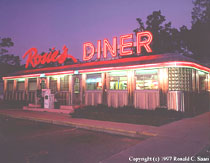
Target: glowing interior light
x=42 y=76
x=93 y=80
x=92 y=51
x=76 y=72
x=99 y=84
x=155 y=82
x=58 y=76
x=59 y=73
x=112 y=49
x=201 y=73
x=21 y=79
x=98 y=79
x=124 y=45
x=117 y=73
x=163 y=75
x=146 y=71
x=144 y=43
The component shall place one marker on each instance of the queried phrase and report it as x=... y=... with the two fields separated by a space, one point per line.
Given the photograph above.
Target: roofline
x=97 y=63
x=104 y=69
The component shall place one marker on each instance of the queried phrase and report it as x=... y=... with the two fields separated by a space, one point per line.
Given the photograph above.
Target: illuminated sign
x=143 y=39
x=35 y=59
x=126 y=43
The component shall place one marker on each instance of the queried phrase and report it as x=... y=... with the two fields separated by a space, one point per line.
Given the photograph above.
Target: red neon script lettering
x=35 y=59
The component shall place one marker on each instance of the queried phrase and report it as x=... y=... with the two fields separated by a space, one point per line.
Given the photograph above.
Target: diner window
x=20 y=85
x=179 y=79
x=43 y=83
x=53 y=84
x=10 y=85
x=93 y=82
x=146 y=79
x=64 y=83
x=202 y=81
x=32 y=84
x=118 y=80
x=76 y=85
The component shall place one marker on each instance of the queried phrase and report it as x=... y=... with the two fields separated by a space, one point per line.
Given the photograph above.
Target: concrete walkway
x=125 y=129
x=184 y=138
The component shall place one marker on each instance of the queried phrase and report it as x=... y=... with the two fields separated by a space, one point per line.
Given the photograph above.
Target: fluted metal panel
x=146 y=99
x=176 y=100
x=117 y=98
x=93 y=97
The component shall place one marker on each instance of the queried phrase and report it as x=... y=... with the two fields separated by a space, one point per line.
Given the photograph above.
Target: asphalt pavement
x=25 y=141
x=186 y=138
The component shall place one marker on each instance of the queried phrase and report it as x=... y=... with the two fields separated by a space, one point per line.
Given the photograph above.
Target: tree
x=165 y=38
x=199 y=34
x=5 y=42
x=201 y=12
x=8 y=62
x=6 y=58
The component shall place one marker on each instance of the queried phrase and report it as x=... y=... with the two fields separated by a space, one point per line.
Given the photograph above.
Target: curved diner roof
x=147 y=61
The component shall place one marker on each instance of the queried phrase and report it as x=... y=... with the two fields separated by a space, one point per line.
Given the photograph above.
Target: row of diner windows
x=32 y=84
x=145 y=80
x=178 y=79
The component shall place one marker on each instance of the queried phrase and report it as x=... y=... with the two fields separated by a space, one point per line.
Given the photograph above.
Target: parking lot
x=33 y=142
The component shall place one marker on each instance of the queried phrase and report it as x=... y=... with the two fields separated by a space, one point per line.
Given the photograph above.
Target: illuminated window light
x=117 y=73
x=146 y=71
x=93 y=80
x=21 y=79
x=76 y=72
x=42 y=76
x=201 y=73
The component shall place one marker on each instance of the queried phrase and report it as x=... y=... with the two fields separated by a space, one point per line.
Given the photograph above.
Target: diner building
x=173 y=81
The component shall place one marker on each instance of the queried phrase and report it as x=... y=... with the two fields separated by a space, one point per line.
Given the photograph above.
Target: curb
x=133 y=134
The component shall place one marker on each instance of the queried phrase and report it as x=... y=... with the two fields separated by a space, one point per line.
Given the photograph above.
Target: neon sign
x=143 y=39
x=125 y=47
x=35 y=59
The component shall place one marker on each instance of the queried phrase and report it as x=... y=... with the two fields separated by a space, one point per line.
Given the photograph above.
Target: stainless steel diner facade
x=147 y=82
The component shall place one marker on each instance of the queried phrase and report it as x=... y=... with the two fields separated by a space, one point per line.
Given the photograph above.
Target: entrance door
x=76 y=90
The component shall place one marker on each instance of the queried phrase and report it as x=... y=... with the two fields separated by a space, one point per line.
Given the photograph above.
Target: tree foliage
x=201 y=12
x=6 y=58
x=165 y=38
x=194 y=41
x=8 y=62
x=199 y=34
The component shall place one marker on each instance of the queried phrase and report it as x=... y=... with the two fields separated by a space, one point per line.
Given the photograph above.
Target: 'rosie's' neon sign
x=143 y=39
x=125 y=48
x=35 y=59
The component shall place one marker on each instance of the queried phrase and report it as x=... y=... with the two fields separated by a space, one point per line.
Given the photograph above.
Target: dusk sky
x=53 y=23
